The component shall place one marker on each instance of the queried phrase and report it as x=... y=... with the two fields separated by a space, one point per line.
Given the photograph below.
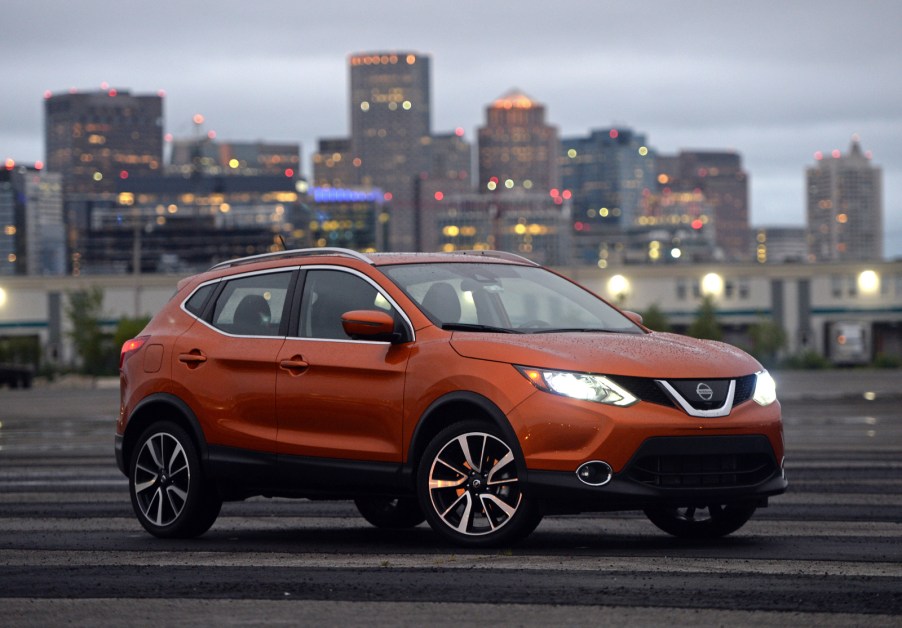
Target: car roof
x=378 y=259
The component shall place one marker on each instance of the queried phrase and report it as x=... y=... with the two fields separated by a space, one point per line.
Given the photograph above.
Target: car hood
x=655 y=354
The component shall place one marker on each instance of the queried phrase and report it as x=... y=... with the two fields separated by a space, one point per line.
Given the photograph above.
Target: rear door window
x=253 y=305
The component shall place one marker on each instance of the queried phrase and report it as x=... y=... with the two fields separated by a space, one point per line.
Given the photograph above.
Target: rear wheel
x=170 y=495
x=700 y=522
x=471 y=488
x=390 y=512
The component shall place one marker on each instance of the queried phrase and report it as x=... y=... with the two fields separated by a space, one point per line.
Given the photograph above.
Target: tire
x=390 y=512
x=471 y=489
x=700 y=522
x=170 y=495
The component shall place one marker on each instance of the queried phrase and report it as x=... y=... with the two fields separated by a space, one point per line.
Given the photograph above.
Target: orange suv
x=477 y=391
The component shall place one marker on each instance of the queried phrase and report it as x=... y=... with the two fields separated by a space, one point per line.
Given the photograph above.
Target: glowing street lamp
x=868 y=282
x=619 y=287
x=712 y=285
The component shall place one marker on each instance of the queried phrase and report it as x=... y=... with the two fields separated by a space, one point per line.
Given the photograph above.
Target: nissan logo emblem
x=704 y=391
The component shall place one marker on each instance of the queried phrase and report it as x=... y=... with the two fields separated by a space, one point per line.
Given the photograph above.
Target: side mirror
x=633 y=316
x=369 y=325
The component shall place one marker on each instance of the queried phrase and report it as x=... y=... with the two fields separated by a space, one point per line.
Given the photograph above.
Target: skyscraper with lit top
x=390 y=129
x=844 y=207
x=517 y=148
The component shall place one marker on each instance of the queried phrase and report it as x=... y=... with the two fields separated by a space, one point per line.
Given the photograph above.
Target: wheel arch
x=161 y=407
x=453 y=408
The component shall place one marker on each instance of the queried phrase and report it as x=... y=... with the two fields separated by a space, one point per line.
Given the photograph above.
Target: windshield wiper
x=474 y=327
x=564 y=330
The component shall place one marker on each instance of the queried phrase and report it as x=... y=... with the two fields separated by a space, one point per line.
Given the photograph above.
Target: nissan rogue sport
x=477 y=391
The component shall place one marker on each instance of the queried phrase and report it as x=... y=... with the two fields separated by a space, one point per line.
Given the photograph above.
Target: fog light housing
x=595 y=473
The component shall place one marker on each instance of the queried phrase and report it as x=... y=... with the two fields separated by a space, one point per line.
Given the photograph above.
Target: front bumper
x=686 y=470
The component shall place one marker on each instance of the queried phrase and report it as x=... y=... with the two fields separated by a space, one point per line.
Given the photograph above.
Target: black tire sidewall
x=381 y=513
x=733 y=517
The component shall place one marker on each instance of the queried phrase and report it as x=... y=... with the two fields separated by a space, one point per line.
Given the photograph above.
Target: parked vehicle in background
x=849 y=343
x=16 y=376
x=477 y=391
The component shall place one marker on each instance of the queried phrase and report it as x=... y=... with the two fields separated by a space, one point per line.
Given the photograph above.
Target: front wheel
x=169 y=494
x=700 y=522
x=471 y=488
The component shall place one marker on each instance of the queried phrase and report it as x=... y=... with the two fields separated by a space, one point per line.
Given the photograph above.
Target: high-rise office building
x=390 y=128
x=450 y=173
x=844 y=207
x=518 y=150
x=609 y=174
x=720 y=178
x=32 y=236
x=97 y=138
x=530 y=224
x=519 y=205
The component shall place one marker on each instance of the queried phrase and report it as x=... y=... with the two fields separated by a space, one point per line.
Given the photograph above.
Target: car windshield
x=505 y=298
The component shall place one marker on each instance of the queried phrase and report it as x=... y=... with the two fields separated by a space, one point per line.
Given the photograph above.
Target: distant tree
x=808 y=360
x=705 y=325
x=127 y=329
x=654 y=318
x=767 y=340
x=93 y=346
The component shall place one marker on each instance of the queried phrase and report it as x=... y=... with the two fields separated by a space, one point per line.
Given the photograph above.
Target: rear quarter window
x=197 y=301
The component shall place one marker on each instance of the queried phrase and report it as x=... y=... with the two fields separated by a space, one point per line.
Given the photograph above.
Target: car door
x=336 y=396
x=224 y=366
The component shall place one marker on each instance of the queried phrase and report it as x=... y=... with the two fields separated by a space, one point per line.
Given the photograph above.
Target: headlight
x=586 y=386
x=765 y=389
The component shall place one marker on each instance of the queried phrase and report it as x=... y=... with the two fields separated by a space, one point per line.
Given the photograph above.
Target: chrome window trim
x=292 y=268
x=268 y=271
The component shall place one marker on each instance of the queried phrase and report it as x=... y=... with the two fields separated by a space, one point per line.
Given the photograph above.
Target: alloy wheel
x=474 y=487
x=162 y=477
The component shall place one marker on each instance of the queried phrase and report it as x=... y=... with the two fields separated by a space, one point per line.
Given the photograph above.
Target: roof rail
x=325 y=250
x=511 y=257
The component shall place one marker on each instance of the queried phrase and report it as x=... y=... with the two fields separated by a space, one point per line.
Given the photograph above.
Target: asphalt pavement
x=826 y=553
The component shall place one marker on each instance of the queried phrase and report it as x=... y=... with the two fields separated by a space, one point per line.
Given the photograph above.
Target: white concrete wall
x=25 y=309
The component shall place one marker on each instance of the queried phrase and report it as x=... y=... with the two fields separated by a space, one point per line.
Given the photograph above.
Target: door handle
x=195 y=358
x=296 y=363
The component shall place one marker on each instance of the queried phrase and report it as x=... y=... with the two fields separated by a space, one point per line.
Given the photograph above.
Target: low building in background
x=354 y=218
x=781 y=245
x=178 y=224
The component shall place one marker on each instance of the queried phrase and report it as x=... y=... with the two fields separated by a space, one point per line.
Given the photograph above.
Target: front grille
x=745 y=388
x=702 y=471
x=649 y=390
x=644 y=388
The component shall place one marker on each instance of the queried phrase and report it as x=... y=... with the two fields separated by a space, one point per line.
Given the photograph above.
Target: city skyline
x=775 y=83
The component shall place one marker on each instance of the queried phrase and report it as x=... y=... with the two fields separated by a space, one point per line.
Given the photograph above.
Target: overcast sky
x=775 y=80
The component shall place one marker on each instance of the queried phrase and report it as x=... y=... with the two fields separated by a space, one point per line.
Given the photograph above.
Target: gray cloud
x=771 y=79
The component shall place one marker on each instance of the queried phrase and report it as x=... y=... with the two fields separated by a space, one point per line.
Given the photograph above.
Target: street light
x=712 y=285
x=868 y=282
x=619 y=287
